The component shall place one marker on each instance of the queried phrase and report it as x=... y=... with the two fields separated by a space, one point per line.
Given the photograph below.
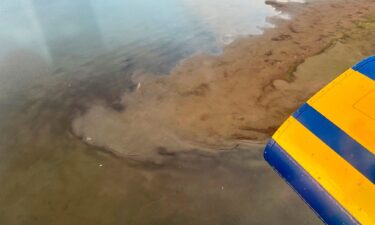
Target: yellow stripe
x=349 y=187
x=349 y=102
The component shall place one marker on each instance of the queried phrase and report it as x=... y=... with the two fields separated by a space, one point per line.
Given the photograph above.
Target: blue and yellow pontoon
x=326 y=149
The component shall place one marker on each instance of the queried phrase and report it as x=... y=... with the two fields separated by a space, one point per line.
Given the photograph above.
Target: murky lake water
x=58 y=56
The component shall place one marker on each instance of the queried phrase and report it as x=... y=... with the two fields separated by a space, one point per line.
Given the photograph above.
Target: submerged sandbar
x=214 y=102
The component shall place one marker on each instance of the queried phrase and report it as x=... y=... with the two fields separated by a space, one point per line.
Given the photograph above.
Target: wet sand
x=213 y=103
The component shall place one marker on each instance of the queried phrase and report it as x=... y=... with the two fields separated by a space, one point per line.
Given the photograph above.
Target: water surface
x=57 y=57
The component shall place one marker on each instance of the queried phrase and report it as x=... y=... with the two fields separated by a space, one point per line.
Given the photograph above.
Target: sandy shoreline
x=214 y=102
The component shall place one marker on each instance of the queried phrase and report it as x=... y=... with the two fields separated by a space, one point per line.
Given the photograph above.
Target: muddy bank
x=214 y=102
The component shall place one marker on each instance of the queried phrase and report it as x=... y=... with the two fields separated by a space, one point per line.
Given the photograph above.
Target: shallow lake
x=56 y=57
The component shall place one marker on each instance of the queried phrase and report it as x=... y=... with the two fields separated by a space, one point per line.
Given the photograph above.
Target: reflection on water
x=66 y=31
x=56 y=57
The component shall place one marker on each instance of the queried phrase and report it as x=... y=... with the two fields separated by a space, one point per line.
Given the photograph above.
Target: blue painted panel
x=349 y=149
x=328 y=209
x=366 y=67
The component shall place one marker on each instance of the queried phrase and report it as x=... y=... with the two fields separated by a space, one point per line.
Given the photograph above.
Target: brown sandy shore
x=215 y=102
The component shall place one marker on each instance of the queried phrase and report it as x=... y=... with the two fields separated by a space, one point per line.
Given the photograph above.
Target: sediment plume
x=211 y=103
